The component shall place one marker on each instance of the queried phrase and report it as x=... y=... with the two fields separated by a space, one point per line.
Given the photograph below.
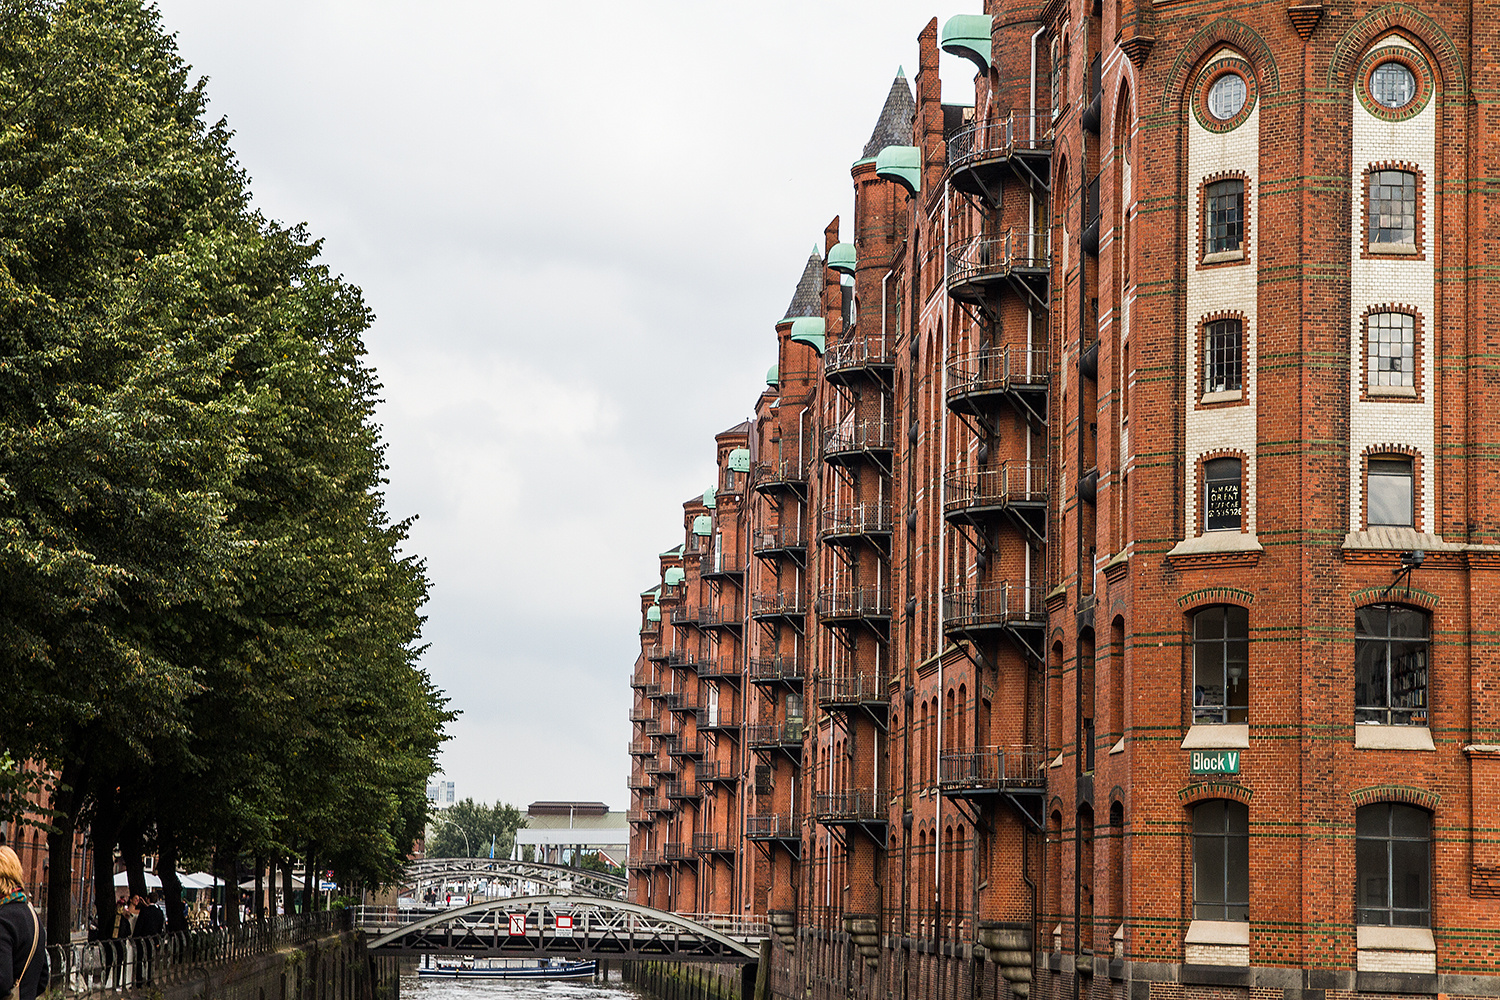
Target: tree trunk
x=310 y=881
x=171 y=885
x=259 y=899
x=66 y=799
x=130 y=854
x=104 y=834
x=230 y=917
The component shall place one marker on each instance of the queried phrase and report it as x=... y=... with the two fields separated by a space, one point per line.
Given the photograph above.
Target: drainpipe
x=1034 y=37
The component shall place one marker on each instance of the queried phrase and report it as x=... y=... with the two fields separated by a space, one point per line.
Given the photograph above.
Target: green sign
x=1215 y=762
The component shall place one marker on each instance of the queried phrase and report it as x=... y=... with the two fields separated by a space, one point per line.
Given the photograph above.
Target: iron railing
x=859 y=352
x=784 y=472
x=997 y=369
x=720 y=665
x=727 y=716
x=682 y=790
x=91 y=968
x=712 y=843
x=773 y=826
x=775 y=733
x=713 y=770
x=783 y=538
x=857 y=690
x=1013 y=482
x=780 y=604
x=861 y=806
x=859 y=435
x=854 y=603
x=986 y=256
x=770 y=669
x=721 y=564
x=994 y=138
x=678 y=850
x=998 y=604
x=873 y=518
x=1022 y=766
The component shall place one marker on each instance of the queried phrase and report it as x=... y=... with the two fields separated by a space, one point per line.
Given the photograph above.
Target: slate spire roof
x=894 y=125
x=808 y=299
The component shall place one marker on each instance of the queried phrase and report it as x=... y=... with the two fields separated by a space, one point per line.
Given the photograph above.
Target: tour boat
x=504 y=968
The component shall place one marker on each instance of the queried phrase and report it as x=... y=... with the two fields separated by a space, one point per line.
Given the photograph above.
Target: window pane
x=1209 y=623
x=1208 y=866
x=1221 y=500
x=1411 y=822
x=1237 y=820
x=1222 y=356
x=1406 y=622
x=1227 y=96
x=1390 y=493
x=1371 y=620
x=1208 y=817
x=1370 y=690
x=1392 y=85
x=1226 y=215
x=1391 y=341
x=1238 y=871
x=1370 y=860
x=1393 y=207
x=1373 y=821
x=1409 y=870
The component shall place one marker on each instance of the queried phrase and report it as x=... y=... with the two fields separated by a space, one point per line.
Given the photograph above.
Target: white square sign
x=517 y=925
x=564 y=925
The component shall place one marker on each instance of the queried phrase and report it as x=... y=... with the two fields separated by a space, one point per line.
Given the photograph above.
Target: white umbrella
x=152 y=882
x=198 y=880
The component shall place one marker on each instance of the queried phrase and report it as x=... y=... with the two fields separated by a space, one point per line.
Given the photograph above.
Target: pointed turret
x=808 y=299
x=893 y=128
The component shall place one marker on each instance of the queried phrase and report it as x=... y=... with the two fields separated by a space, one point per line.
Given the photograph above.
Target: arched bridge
x=543 y=927
x=559 y=879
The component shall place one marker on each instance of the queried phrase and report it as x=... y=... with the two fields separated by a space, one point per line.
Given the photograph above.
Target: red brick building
x=1117 y=545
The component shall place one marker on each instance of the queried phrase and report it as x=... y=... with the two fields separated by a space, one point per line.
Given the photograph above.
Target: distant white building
x=564 y=831
x=440 y=793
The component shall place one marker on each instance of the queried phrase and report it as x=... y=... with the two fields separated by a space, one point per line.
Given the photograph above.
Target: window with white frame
x=1391 y=344
x=1390 y=492
x=1392 y=209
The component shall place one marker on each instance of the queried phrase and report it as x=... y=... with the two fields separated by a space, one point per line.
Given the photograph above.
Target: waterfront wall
x=335 y=967
x=691 y=981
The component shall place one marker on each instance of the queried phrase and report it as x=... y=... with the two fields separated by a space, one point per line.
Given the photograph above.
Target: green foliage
x=595 y=863
x=466 y=829
x=206 y=616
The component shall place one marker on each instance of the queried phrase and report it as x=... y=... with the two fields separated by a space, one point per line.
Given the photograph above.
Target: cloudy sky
x=577 y=225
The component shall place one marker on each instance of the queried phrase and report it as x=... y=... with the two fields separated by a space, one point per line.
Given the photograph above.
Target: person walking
x=23 y=939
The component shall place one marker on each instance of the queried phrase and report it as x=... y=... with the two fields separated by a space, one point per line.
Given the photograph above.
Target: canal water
x=414 y=988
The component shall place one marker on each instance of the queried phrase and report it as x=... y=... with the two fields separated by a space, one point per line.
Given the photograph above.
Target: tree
x=467 y=829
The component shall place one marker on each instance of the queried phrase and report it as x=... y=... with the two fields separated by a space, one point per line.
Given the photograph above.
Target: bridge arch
x=542 y=873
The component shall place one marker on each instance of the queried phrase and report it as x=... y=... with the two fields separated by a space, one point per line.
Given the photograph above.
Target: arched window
x=1221 y=665
x=1393 y=859
x=1390 y=665
x=1221 y=860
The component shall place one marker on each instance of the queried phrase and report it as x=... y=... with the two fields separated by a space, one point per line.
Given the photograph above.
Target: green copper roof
x=711 y=497
x=902 y=164
x=653 y=613
x=673 y=576
x=809 y=330
x=703 y=525
x=773 y=375
x=842 y=258
x=968 y=36
x=673 y=552
x=739 y=458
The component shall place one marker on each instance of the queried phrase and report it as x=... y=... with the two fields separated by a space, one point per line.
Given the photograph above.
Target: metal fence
x=115 y=966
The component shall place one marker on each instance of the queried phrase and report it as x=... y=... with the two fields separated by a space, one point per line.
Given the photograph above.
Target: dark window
x=1221 y=661
x=1221 y=356
x=1390 y=665
x=1222 y=507
x=1389 y=489
x=1221 y=860
x=1393 y=848
x=1391 y=339
x=1226 y=215
x=763 y=785
x=1393 y=208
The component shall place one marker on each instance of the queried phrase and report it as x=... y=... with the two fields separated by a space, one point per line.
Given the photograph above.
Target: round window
x=1392 y=84
x=1227 y=96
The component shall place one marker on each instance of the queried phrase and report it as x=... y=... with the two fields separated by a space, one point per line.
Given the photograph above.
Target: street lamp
x=468 y=851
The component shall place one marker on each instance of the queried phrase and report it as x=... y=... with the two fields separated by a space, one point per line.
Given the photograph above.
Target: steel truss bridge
x=552 y=878
x=556 y=926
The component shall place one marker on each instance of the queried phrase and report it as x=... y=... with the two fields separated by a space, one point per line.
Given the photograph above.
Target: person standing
x=23 y=939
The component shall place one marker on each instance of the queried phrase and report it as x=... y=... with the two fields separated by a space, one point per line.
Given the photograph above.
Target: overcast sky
x=577 y=225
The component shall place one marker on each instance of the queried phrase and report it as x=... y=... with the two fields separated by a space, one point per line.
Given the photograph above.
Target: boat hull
x=573 y=970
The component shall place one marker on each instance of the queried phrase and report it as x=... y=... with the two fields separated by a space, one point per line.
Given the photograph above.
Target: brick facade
x=1064 y=672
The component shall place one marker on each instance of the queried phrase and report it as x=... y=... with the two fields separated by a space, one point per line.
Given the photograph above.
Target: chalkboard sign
x=1223 y=505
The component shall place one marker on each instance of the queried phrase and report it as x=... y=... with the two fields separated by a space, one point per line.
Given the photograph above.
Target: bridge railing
x=93 y=968
x=731 y=925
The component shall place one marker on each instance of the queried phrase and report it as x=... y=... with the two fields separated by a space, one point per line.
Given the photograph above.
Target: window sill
x=1391 y=391
x=1217 y=942
x=1392 y=249
x=1374 y=737
x=1224 y=256
x=1225 y=736
x=1216 y=548
x=1227 y=396
x=1396 y=949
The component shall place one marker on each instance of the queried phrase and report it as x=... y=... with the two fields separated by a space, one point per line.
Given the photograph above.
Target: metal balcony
x=790 y=669
x=857 y=691
x=655 y=766
x=722 y=566
x=656 y=653
x=639 y=683
x=641 y=748
x=1016 y=492
x=683 y=704
x=679 y=851
x=660 y=804
x=851 y=442
x=713 y=843
x=981 y=154
x=715 y=771
x=787 y=541
x=868 y=522
x=643 y=715
x=784 y=828
x=1013 y=609
x=981 y=380
x=640 y=783
x=784 y=736
x=719 y=666
x=682 y=791
x=980 y=266
x=782 y=475
x=725 y=615
x=680 y=658
x=866 y=809
x=684 y=615
x=725 y=719
x=1015 y=774
x=660 y=730
x=781 y=605
x=860 y=357
x=688 y=749
x=856 y=606
x=637 y=817
x=642 y=860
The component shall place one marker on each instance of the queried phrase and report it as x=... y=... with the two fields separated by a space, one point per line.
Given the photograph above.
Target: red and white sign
x=517 y=925
x=563 y=926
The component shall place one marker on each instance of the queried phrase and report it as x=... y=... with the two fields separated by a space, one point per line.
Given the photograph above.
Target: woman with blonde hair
x=23 y=941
